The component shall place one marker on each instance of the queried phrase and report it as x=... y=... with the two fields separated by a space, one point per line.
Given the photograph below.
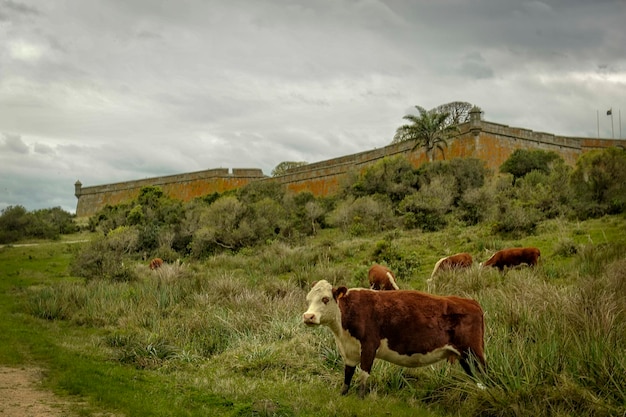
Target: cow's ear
x=313 y=284
x=339 y=292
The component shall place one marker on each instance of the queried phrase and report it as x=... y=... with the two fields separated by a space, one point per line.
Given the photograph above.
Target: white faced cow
x=404 y=327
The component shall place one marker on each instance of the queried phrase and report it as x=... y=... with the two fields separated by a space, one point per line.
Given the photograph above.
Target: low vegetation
x=217 y=329
x=16 y=223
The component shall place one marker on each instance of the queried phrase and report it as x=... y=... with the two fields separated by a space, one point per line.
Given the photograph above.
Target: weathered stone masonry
x=182 y=186
x=488 y=141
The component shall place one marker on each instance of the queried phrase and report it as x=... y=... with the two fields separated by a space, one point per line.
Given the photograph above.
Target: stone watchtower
x=78 y=188
x=475 y=116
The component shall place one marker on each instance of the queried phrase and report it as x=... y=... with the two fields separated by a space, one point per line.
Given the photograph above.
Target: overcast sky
x=109 y=91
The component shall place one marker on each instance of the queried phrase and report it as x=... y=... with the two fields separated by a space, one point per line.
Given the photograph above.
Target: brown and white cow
x=406 y=327
x=457 y=261
x=511 y=257
x=156 y=263
x=381 y=278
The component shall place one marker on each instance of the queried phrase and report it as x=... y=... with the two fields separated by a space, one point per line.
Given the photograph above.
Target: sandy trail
x=21 y=395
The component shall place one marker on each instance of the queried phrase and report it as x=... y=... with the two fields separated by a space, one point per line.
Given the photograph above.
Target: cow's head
x=322 y=300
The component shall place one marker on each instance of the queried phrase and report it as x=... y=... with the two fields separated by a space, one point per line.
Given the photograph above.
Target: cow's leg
x=348 y=373
x=469 y=358
x=465 y=363
x=363 y=383
x=367 y=360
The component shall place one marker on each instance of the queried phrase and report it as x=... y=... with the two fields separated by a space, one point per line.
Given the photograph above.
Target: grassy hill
x=223 y=336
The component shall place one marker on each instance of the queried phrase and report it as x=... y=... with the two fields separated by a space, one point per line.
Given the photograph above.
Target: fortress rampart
x=181 y=186
x=491 y=142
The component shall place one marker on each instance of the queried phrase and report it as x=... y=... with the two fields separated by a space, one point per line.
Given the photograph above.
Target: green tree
x=363 y=215
x=394 y=177
x=462 y=173
x=523 y=161
x=60 y=220
x=458 y=111
x=599 y=182
x=17 y=223
x=13 y=223
x=283 y=167
x=258 y=190
x=430 y=130
x=427 y=208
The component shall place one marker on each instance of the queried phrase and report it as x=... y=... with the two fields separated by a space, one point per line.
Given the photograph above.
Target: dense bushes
x=523 y=161
x=16 y=223
x=533 y=186
x=599 y=183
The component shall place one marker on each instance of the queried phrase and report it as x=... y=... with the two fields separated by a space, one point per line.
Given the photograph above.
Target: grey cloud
x=14 y=144
x=15 y=8
x=475 y=66
x=42 y=148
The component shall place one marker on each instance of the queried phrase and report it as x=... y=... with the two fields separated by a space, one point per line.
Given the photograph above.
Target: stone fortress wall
x=491 y=142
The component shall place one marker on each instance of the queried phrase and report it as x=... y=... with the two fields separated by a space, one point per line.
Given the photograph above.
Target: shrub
x=463 y=173
x=389 y=253
x=259 y=190
x=363 y=215
x=17 y=223
x=104 y=258
x=13 y=222
x=427 y=208
x=524 y=161
x=394 y=177
x=514 y=220
x=60 y=221
x=229 y=224
x=306 y=214
x=122 y=240
x=566 y=248
x=599 y=183
x=476 y=205
x=148 y=237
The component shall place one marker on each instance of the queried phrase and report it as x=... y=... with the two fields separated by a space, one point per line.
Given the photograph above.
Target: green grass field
x=224 y=337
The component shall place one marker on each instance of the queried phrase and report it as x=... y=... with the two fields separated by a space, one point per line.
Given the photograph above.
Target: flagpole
x=612 y=127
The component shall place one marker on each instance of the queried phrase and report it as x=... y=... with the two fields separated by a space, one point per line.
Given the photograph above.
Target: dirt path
x=21 y=395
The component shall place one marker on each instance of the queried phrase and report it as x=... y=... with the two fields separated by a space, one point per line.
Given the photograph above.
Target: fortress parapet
x=180 y=186
x=490 y=142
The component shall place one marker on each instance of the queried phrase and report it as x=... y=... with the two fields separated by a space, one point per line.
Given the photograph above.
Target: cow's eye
x=325 y=300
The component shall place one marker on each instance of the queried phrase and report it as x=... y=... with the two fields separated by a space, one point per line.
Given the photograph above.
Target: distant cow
x=460 y=260
x=457 y=261
x=405 y=327
x=381 y=278
x=156 y=263
x=512 y=257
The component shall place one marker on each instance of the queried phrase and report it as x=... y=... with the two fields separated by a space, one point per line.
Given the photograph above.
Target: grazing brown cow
x=460 y=260
x=381 y=278
x=512 y=257
x=156 y=263
x=457 y=261
x=405 y=327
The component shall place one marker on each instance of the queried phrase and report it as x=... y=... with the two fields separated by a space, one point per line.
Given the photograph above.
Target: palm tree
x=429 y=130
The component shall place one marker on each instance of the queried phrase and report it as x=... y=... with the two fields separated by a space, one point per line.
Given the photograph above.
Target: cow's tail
x=437 y=265
x=392 y=280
